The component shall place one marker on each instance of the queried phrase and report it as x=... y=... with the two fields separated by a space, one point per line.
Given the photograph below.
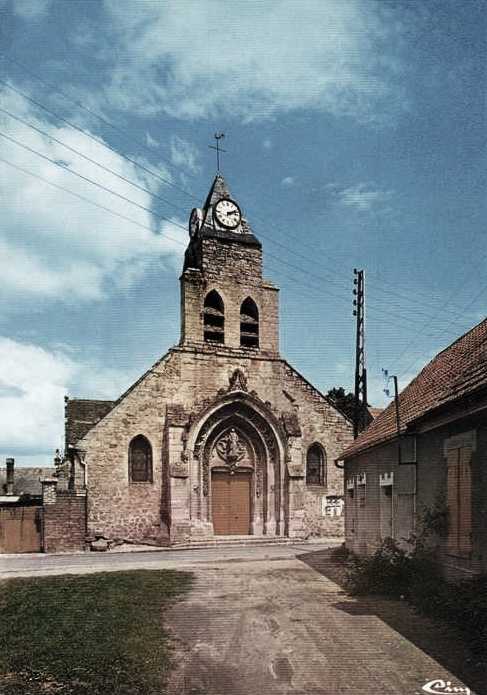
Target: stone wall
x=192 y=378
x=233 y=291
x=64 y=524
x=230 y=259
x=364 y=528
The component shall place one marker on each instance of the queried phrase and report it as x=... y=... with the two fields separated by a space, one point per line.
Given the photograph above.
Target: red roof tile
x=455 y=372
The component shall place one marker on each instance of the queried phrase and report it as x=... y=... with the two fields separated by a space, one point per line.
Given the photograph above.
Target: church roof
x=457 y=371
x=81 y=415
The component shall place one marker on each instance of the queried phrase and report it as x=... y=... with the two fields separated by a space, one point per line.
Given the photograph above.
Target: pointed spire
x=218 y=190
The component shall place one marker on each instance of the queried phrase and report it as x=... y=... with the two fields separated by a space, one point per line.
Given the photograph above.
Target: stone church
x=222 y=436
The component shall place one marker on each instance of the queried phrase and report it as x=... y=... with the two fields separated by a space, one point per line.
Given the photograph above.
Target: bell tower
x=225 y=302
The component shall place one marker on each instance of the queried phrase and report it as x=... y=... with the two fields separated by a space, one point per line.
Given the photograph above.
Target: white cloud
x=33 y=383
x=287 y=182
x=361 y=196
x=31 y=9
x=267 y=144
x=58 y=246
x=253 y=60
x=184 y=154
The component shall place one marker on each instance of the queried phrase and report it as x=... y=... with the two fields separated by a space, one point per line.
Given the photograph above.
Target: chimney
x=10 y=475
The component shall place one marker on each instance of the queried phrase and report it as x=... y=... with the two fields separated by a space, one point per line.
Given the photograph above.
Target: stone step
x=221 y=541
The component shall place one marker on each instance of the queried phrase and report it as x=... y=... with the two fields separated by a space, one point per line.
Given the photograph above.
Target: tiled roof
x=81 y=415
x=457 y=371
x=27 y=481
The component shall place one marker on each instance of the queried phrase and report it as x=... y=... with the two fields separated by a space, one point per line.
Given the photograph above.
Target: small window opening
x=140 y=460
x=214 y=318
x=315 y=465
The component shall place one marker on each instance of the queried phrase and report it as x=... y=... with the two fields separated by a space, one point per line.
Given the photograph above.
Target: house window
x=249 y=324
x=459 y=495
x=214 y=318
x=315 y=465
x=140 y=460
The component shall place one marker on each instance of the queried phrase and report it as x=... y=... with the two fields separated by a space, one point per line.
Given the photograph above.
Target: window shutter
x=452 y=499
x=465 y=500
x=459 y=486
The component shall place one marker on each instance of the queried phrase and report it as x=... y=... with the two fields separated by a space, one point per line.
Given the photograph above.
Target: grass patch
x=92 y=634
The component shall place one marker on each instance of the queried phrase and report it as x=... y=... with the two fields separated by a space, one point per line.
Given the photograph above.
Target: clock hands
x=228 y=213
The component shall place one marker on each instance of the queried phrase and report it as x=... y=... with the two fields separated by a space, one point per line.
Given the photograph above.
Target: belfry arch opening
x=249 y=324
x=214 y=318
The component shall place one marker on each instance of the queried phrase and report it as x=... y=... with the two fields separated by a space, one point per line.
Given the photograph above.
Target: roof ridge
x=449 y=375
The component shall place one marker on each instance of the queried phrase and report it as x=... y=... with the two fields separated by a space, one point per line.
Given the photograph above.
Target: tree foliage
x=344 y=401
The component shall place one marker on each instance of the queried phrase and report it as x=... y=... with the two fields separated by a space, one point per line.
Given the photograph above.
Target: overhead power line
x=101 y=142
x=163 y=217
x=87 y=200
x=313 y=288
x=92 y=137
x=190 y=194
x=147 y=170
x=101 y=118
x=92 y=161
x=444 y=332
x=90 y=181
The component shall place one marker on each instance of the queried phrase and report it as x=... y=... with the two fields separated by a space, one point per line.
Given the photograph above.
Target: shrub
x=393 y=572
x=386 y=572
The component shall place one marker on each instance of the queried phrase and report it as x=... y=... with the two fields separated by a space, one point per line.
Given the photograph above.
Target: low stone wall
x=64 y=525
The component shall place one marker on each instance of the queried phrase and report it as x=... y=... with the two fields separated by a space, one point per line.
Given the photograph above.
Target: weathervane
x=218 y=137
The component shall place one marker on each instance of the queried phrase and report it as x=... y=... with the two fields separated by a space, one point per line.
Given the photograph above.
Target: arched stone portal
x=238 y=456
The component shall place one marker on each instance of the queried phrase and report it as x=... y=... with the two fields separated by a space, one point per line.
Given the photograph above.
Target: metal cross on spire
x=218 y=137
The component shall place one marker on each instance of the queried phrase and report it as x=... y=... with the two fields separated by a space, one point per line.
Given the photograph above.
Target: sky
x=355 y=136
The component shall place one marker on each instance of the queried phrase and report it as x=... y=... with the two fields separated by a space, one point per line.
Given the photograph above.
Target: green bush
x=386 y=572
x=393 y=572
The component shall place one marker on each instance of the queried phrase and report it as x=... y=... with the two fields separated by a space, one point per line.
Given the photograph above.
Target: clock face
x=227 y=213
x=194 y=222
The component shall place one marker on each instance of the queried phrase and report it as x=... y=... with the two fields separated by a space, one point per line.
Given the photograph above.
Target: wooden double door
x=230 y=502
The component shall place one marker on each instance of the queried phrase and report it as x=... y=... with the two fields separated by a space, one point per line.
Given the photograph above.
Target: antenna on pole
x=360 y=404
x=218 y=137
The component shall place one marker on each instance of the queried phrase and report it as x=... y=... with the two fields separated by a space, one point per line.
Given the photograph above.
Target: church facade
x=221 y=437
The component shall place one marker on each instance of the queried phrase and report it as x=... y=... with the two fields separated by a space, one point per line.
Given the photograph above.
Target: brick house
x=221 y=436
x=443 y=419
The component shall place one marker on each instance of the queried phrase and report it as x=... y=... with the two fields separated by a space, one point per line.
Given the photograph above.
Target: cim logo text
x=439 y=686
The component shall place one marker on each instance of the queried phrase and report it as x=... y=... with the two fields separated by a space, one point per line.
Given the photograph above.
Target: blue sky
x=355 y=137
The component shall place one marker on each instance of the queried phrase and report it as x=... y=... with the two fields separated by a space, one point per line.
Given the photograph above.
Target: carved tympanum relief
x=231 y=448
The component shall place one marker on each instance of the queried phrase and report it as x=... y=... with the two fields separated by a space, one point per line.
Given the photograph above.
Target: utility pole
x=360 y=405
x=387 y=377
